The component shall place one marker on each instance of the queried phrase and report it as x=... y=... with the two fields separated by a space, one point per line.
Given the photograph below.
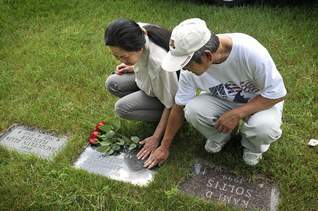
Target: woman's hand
x=123 y=68
x=150 y=144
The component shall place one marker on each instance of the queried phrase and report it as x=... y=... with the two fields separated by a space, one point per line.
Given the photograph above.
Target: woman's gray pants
x=133 y=104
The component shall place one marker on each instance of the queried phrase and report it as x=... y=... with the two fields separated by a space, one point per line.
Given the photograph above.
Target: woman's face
x=126 y=57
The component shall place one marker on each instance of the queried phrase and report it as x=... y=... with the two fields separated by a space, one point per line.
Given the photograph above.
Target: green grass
x=53 y=65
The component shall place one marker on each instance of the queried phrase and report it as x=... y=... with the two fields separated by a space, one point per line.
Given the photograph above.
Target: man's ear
x=208 y=55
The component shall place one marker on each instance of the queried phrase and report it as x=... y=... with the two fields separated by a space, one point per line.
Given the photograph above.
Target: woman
x=146 y=91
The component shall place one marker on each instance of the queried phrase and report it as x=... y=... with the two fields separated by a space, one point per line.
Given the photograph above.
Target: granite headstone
x=31 y=140
x=214 y=183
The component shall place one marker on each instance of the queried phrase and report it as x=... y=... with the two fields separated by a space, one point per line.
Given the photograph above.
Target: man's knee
x=191 y=111
x=264 y=131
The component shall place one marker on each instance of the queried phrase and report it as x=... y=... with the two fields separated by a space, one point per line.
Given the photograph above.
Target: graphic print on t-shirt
x=241 y=93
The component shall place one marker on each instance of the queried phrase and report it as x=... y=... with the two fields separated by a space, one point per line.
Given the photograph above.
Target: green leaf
x=126 y=140
x=132 y=146
x=105 y=143
x=106 y=128
x=135 y=139
x=110 y=134
x=102 y=136
x=120 y=142
x=115 y=147
x=103 y=149
x=116 y=124
x=110 y=152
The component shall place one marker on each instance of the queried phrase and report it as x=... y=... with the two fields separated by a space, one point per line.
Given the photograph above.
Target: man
x=239 y=81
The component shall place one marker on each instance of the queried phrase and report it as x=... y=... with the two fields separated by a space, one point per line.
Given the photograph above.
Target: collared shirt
x=151 y=78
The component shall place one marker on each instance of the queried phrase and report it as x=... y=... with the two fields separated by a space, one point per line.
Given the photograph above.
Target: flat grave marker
x=31 y=140
x=122 y=167
x=214 y=183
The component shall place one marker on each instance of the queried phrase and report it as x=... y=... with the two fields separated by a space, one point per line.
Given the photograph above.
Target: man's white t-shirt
x=247 y=72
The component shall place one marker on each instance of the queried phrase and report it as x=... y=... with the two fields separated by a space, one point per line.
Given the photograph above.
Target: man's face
x=126 y=57
x=198 y=68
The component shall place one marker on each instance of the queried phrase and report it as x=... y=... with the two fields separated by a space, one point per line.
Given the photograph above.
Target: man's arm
x=175 y=121
x=229 y=120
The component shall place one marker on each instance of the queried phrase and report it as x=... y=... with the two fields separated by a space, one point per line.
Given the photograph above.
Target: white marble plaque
x=122 y=167
x=29 y=140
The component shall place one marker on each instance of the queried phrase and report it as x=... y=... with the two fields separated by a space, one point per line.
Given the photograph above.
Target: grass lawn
x=53 y=64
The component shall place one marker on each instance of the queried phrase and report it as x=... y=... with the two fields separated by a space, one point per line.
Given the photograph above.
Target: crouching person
x=239 y=81
x=146 y=91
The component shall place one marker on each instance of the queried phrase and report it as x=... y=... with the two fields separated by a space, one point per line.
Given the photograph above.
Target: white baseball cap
x=186 y=38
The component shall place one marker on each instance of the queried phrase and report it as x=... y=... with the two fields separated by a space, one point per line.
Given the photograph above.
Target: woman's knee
x=111 y=83
x=122 y=109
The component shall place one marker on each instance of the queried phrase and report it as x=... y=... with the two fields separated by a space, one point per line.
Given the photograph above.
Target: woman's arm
x=161 y=127
x=161 y=154
x=152 y=142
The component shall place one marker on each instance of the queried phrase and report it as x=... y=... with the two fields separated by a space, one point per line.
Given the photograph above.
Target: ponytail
x=158 y=35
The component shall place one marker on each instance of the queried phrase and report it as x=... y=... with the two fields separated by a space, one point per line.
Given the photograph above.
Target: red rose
x=99 y=124
x=92 y=141
x=94 y=134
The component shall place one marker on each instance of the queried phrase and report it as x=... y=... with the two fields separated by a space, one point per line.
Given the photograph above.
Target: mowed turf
x=53 y=65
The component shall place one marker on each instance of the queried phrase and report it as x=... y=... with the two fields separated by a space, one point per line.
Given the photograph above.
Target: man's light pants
x=258 y=131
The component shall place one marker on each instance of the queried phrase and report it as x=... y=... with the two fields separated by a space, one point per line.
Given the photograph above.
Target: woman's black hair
x=159 y=35
x=128 y=35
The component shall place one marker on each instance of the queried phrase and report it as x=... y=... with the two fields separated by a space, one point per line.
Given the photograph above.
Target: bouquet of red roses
x=108 y=140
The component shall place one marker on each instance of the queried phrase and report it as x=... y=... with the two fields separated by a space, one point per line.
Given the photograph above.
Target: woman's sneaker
x=214 y=147
x=251 y=158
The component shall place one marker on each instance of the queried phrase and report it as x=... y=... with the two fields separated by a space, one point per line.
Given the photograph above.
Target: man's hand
x=159 y=156
x=150 y=144
x=228 y=121
x=123 y=68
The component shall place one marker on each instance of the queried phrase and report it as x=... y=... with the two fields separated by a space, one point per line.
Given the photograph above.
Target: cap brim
x=174 y=63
